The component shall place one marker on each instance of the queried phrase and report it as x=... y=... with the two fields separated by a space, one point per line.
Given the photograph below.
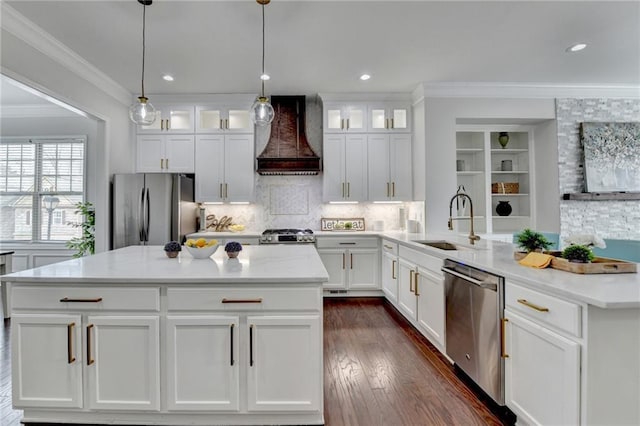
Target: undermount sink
x=439 y=244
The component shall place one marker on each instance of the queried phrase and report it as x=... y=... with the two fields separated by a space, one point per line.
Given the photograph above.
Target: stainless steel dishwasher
x=474 y=310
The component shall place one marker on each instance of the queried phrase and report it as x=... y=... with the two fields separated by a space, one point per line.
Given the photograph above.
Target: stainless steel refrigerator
x=152 y=209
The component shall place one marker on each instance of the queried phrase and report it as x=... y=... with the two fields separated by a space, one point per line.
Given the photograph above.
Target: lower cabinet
x=352 y=263
x=389 y=270
x=120 y=361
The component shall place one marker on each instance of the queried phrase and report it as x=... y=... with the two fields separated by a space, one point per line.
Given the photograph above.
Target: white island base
x=132 y=337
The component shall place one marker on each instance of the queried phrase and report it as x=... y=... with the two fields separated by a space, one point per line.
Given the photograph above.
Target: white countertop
x=149 y=264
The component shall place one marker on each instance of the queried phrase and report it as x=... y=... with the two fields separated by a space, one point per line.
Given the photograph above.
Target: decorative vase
x=503 y=208
x=503 y=139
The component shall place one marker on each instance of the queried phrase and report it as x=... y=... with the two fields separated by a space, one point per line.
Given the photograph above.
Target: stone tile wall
x=607 y=219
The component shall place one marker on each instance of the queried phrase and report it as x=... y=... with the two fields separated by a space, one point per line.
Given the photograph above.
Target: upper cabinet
x=494 y=167
x=171 y=118
x=389 y=167
x=389 y=117
x=165 y=154
x=345 y=168
x=343 y=117
x=223 y=118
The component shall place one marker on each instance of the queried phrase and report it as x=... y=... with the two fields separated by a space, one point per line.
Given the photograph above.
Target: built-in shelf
x=508 y=151
x=602 y=196
x=510 y=217
x=469 y=150
x=470 y=173
x=510 y=172
x=510 y=195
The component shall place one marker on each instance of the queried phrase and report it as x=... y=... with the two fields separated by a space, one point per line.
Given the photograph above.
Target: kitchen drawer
x=345 y=243
x=129 y=299
x=253 y=299
x=421 y=259
x=544 y=308
x=389 y=247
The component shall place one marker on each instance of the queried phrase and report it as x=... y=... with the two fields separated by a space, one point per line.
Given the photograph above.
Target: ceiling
x=324 y=46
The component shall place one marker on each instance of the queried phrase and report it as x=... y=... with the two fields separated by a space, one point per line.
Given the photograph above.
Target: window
x=41 y=180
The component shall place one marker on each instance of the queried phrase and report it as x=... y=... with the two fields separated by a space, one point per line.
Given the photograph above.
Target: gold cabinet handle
x=503 y=342
x=256 y=300
x=70 y=357
x=343 y=260
x=226 y=123
x=348 y=124
x=393 y=269
x=166 y=163
x=415 y=284
x=221 y=124
x=411 y=272
x=388 y=189
x=348 y=189
x=388 y=247
x=168 y=123
x=393 y=189
x=161 y=124
x=351 y=260
x=90 y=359
x=221 y=191
x=161 y=164
x=538 y=308
x=392 y=124
x=251 y=345
x=71 y=300
x=231 y=342
x=226 y=190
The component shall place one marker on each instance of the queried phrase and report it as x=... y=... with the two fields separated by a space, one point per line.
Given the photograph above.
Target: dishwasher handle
x=483 y=284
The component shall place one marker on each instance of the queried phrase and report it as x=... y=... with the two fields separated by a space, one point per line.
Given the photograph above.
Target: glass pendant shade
x=262 y=112
x=142 y=112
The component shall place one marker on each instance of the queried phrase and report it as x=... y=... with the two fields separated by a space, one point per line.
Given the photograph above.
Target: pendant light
x=142 y=112
x=261 y=111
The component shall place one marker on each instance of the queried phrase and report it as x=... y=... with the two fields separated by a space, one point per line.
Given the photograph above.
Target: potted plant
x=578 y=253
x=233 y=248
x=172 y=249
x=86 y=242
x=530 y=241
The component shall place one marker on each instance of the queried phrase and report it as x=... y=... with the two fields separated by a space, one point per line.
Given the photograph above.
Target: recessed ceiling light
x=576 y=47
x=365 y=77
x=264 y=77
x=167 y=77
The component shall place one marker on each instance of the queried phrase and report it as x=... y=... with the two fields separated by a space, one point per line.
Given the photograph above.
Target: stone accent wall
x=607 y=219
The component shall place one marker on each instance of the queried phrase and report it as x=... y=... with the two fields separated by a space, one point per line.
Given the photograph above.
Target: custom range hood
x=288 y=152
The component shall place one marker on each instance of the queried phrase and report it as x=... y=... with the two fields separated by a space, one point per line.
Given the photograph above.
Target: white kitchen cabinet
x=47 y=346
x=389 y=167
x=542 y=373
x=284 y=352
x=123 y=362
x=170 y=118
x=352 y=263
x=407 y=301
x=389 y=270
x=203 y=362
x=389 y=117
x=165 y=154
x=345 y=167
x=341 y=117
x=224 y=166
x=224 y=118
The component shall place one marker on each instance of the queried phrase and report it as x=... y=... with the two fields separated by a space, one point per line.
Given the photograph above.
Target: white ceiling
x=323 y=46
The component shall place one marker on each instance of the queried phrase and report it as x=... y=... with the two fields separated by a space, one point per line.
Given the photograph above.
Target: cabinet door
x=400 y=173
x=171 y=119
x=284 y=363
x=122 y=362
x=219 y=118
x=333 y=179
x=46 y=352
x=180 y=153
x=341 y=117
x=335 y=262
x=363 y=269
x=379 y=181
x=209 y=161
x=431 y=305
x=238 y=168
x=542 y=373
x=390 y=277
x=407 y=302
x=389 y=117
x=150 y=154
x=356 y=167
x=202 y=363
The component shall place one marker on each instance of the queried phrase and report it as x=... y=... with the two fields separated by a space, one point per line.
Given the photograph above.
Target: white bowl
x=202 y=252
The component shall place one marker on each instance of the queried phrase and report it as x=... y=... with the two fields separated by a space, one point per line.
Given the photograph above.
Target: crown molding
x=524 y=90
x=34 y=111
x=22 y=28
x=364 y=97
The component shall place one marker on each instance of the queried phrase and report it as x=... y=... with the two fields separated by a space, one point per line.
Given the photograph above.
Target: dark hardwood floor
x=378 y=370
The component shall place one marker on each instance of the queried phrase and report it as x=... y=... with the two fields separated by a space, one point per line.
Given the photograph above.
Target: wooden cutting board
x=599 y=265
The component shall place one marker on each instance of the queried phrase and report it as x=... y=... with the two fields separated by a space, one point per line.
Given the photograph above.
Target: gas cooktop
x=287 y=236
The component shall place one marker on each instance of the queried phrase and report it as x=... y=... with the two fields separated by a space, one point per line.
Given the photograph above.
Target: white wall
x=546 y=177
x=114 y=147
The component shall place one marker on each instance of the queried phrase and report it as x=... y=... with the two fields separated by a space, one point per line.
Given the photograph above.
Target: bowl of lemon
x=201 y=248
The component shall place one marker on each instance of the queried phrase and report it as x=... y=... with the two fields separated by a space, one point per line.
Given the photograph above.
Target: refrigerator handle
x=141 y=229
x=147 y=217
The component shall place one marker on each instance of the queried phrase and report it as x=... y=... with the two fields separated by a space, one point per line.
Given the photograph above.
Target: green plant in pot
x=529 y=241
x=578 y=253
x=86 y=242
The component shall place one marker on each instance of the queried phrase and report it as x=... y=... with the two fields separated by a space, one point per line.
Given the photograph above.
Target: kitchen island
x=133 y=337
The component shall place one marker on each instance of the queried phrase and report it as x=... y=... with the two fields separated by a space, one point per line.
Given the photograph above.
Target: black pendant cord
x=261 y=77
x=144 y=21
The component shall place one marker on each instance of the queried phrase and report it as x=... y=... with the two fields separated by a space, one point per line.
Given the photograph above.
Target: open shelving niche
x=479 y=149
